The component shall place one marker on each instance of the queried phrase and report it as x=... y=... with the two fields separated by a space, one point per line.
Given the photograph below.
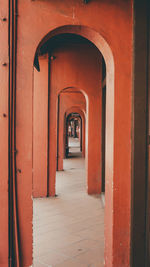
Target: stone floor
x=68 y=231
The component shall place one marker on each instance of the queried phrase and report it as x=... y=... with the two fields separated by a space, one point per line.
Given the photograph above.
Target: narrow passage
x=68 y=231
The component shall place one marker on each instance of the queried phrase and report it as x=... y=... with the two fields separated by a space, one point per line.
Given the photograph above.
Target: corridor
x=68 y=230
x=75 y=69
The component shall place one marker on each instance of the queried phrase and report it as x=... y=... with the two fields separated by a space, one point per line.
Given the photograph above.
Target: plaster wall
x=4 y=115
x=83 y=116
x=67 y=101
x=103 y=22
x=78 y=66
x=40 y=129
x=40 y=126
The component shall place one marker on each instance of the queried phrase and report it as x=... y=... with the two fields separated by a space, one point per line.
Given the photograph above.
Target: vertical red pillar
x=60 y=136
x=64 y=136
x=93 y=157
x=53 y=111
x=80 y=134
x=83 y=136
x=40 y=128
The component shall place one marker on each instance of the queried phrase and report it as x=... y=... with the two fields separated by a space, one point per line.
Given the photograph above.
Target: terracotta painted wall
x=83 y=117
x=78 y=66
x=40 y=128
x=4 y=71
x=67 y=101
x=36 y=19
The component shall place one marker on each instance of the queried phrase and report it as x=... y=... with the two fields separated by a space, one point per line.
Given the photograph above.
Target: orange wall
x=102 y=22
x=83 y=117
x=40 y=128
x=67 y=101
x=4 y=135
x=78 y=66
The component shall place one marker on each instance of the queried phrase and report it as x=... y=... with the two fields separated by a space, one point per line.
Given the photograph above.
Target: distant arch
x=99 y=41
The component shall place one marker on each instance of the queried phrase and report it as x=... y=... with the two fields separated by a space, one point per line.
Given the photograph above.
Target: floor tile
x=68 y=231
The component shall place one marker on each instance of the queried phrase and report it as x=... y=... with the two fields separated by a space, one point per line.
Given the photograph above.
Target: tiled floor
x=74 y=142
x=68 y=231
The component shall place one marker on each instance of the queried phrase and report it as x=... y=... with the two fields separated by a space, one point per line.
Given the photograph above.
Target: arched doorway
x=45 y=17
x=73 y=130
x=82 y=114
x=92 y=91
x=115 y=171
x=69 y=100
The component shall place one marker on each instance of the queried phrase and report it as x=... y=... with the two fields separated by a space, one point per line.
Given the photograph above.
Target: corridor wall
x=78 y=66
x=38 y=21
x=68 y=100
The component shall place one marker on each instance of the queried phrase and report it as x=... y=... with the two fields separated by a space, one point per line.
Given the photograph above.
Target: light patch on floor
x=68 y=231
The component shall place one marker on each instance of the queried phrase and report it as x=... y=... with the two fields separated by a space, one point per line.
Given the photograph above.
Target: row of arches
x=75 y=64
x=93 y=187
x=72 y=52
x=70 y=61
x=76 y=129
x=117 y=139
x=126 y=154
